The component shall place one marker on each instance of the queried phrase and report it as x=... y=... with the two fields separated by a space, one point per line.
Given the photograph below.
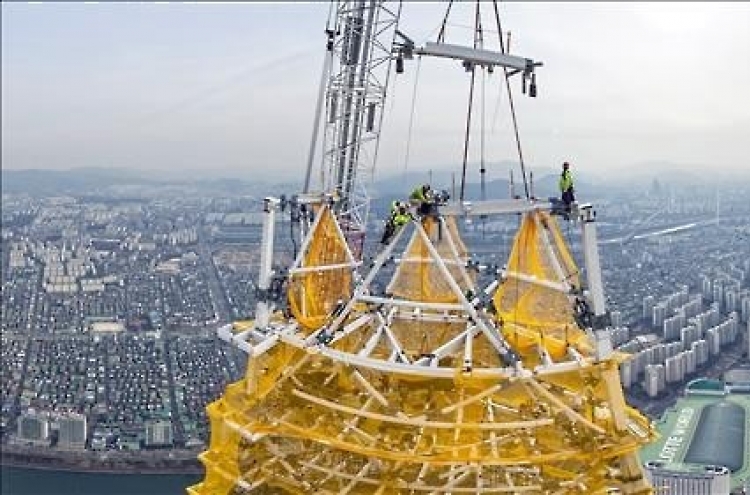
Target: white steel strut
x=266 y=333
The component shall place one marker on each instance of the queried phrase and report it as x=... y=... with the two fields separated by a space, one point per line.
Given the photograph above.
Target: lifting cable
x=294 y=213
x=441 y=34
x=327 y=163
x=510 y=100
x=292 y=232
x=482 y=168
x=411 y=117
x=477 y=39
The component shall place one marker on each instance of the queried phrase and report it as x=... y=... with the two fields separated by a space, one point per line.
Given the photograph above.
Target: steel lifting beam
x=477 y=56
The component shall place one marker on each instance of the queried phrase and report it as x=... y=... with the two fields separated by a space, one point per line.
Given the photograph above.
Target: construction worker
x=421 y=197
x=566 y=186
x=399 y=217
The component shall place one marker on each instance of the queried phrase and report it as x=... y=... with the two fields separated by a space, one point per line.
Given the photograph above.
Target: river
x=21 y=481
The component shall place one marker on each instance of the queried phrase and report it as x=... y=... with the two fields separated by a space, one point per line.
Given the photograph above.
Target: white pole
x=602 y=339
x=264 y=306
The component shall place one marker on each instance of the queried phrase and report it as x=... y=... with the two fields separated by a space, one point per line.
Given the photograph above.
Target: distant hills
x=94 y=181
x=494 y=189
x=81 y=180
x=99 y=180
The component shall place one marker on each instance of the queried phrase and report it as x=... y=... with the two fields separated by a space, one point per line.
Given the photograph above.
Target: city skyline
x=111 y=304
x=170 y=300
x=229 y=89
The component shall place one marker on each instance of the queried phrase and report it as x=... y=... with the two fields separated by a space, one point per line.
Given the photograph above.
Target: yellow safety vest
x=566 y=181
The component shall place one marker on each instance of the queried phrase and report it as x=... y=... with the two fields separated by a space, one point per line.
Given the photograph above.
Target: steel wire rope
x=326 y=165
x=325 y=75
x=392 y=102
x=518 y=141
x=477 y=40
x=441 y=33
x=510 y=100
x=482 y=168
x=411 y=118
x=496 y=111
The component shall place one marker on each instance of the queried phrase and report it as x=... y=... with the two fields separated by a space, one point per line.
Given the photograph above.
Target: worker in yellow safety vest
x=398 y=218
x=422 y=199
x=566 y=186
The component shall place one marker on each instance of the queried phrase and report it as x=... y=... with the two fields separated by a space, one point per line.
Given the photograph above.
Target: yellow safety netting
x=328 y=428
x=534 y=310
x=418 y=277
x=306 y=421
x=313 y=295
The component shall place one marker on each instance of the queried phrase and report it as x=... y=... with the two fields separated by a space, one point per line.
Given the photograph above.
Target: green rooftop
x=705 y=384
x=705 y=429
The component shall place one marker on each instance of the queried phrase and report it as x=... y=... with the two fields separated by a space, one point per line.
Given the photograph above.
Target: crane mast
x=356 y=73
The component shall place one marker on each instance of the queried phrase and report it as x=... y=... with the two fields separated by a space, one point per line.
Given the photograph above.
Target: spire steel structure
x=434 y=383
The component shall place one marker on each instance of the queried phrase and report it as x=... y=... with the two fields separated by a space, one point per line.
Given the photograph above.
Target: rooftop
x=705 y=429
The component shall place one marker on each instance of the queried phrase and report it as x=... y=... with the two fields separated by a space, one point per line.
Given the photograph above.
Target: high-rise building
x=697 y=322
x=718 y=296
x=619 y=335
x=675 y=369
x=616 y=319
x=730 y=300
x=655 y=379
x=688 y=335
x=158 y=434
x=648 y=354
x=660 y=353
x=673 y=348
x=692 y=307
x=691 y=362
x=700 y=348
x=745 y=308
x=659 y=315
x=626 y=373
x=714 y=314
x=33 y=428
x=714 y=341
x=733 y=327
x=695 y=480
x=72 y=433
x=672 y=327
x=648 y=307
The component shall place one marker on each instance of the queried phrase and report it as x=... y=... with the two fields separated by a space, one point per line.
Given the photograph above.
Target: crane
x=362 y=41
x=356 y=71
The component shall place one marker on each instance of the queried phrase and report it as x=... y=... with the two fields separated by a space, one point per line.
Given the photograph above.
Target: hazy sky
x=231 y=88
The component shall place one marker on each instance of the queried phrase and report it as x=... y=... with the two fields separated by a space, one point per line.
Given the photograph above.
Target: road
x=218 y=295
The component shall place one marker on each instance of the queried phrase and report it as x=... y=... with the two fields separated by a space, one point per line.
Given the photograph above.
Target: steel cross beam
x=477 y=56
x=494 y=207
